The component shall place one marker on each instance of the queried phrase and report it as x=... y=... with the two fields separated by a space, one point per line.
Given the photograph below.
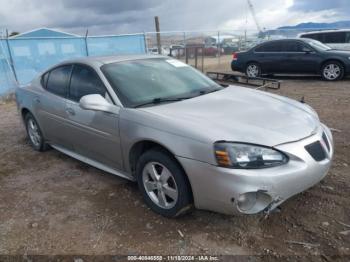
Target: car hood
x=238 y=114
x=338 y=52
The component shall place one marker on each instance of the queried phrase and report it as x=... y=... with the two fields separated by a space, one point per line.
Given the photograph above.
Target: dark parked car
x=293 y=56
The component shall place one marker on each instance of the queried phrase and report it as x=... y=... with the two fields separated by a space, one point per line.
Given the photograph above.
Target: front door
x=299 y=58
x=94 y=134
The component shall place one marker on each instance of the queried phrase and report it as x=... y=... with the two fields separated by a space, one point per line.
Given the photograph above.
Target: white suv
x=337 y=39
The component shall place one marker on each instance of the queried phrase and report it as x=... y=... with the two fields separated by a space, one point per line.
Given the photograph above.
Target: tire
x=332 y=71
x=253 y=70
x=163 y=184
x=35 y=136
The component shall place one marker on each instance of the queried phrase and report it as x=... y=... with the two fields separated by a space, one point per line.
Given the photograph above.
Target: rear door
x=95 y=134
x=51 y=106
x=269 y=56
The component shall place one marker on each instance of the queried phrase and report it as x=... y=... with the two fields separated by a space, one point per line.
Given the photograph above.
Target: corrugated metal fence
x=21 y=59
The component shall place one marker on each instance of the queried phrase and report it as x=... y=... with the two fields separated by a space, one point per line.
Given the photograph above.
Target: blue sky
x=129 y=16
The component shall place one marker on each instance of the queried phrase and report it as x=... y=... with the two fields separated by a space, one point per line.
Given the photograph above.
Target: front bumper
x=223 y=190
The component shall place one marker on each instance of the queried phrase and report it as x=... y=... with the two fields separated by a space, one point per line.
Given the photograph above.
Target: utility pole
x=86 y=43
x=156 y=21
x=10 y=57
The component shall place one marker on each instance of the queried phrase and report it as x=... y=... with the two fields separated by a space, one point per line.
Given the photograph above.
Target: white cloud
x=117 y=16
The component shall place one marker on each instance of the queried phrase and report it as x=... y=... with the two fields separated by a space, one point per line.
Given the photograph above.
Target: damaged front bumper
x=239 y=191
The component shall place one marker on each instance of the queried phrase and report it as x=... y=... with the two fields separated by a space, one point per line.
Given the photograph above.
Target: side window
x=58 y=80
x=338 y=37
x=260 y=48
x=85 y=81
x=318 y=37
x=290 y=46
x=273 y=47
x=304 y=48
x=347 y=38
x=270 y=47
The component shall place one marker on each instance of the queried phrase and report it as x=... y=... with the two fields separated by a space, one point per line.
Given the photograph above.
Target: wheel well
x=24 y=112
x=252 y=62
x=332 y=60
x=141 y=147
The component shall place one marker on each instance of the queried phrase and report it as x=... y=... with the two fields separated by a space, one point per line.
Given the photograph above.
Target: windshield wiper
x=159 y=100
x=204 y=92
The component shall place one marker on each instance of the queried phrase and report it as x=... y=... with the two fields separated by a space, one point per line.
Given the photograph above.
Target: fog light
x=253 y=202
x=246 y=201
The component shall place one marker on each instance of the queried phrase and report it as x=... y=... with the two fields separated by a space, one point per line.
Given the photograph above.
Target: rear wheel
x=332 y=71
x=34 y=133
x=253 y=70
x=163 y=184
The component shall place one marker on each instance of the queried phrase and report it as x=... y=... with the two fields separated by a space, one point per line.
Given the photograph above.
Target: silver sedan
x=187 y=141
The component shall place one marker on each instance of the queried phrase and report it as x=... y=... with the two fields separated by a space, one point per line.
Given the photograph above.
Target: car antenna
x=302 y=100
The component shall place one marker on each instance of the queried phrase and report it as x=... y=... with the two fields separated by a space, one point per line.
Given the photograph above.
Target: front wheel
x=253 y=70
x=332 y=71
x=163 y=184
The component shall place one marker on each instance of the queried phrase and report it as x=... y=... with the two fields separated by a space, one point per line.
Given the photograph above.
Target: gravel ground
x=51 y=204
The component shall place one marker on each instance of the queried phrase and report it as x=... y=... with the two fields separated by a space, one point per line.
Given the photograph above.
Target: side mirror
x=96 y=102
x=308 y=51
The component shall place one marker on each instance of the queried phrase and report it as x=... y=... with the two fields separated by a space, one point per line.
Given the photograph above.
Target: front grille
x=325 y=140
x=316 y=151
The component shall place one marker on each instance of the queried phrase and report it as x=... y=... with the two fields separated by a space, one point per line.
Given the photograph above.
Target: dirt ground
x=51 y=204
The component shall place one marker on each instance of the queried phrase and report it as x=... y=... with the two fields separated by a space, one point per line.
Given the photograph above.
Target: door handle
x=70 y=111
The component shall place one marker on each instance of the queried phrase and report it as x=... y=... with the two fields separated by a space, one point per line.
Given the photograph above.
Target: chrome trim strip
x=94 y=163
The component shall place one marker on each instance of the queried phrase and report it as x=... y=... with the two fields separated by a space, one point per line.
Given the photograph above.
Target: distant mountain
x=293 y=31
x=310 y=25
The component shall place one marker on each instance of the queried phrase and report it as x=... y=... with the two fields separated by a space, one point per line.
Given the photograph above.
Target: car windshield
x=318 y=45
x=142 y=81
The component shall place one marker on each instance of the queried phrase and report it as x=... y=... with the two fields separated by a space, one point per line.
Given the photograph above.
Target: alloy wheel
x=34 y=133
x=160 y=185
x=331 y=71
x=252 y=70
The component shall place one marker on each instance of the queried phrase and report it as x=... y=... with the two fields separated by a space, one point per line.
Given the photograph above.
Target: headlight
x=247 y=156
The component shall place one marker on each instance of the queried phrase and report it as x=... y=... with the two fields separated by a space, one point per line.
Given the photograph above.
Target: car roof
x=285 y=39
x=102 y=60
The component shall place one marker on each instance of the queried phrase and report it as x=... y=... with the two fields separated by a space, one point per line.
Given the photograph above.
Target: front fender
x=133 y=131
